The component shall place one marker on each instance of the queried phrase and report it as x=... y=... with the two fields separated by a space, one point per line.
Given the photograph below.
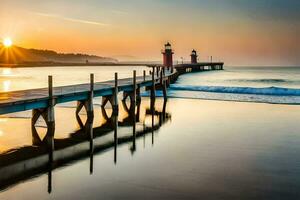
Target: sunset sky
x=239 y=32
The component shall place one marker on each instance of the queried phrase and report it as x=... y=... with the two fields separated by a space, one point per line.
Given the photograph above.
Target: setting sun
x=7 y=42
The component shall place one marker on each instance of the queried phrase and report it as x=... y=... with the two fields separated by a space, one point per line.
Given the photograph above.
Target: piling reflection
x=152 y=109
x=115 y=125
x=89 y=130
x=50 y=167
x=48 y=154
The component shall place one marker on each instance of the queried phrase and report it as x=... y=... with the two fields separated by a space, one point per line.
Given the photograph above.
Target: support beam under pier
x=113 y=99
x=87 y=104
x=48 y=115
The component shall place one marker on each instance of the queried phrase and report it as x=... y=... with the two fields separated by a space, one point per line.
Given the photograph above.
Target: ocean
x=279 y=85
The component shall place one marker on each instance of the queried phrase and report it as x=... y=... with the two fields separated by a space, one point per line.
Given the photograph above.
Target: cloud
x=82 y=21
x=120 y=12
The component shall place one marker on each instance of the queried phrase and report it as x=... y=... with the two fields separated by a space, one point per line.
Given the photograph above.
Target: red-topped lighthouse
x=168 y=55
x=194 y=57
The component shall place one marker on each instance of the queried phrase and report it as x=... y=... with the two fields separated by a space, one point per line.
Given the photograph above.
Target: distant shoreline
x=28 y=65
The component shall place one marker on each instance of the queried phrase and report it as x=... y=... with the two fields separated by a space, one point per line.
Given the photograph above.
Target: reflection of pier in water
x=27 y=162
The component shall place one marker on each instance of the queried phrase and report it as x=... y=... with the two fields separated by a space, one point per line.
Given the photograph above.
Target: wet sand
x=209 y=150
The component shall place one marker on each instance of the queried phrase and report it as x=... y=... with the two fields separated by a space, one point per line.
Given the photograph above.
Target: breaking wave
x=272 y=95
x=277 y=91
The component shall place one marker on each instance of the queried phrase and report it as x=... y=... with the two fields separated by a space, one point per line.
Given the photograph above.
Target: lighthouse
x=168 y=55
x=194 y=57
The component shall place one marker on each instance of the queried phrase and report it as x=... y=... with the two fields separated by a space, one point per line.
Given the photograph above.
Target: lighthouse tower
x=168 y=55
x=194 y=57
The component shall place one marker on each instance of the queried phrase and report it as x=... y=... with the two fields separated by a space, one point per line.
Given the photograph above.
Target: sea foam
x=278 y=91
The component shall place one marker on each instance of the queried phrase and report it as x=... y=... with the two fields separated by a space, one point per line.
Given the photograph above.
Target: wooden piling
x=161 y=77
x=134 y=88
x=50 y=113
x=115 y=98
x=50 y=86
x=153 y=84
x=164 y=86
x=91 y=82
x=89 y=103
x=50 y=109
x=50 y=119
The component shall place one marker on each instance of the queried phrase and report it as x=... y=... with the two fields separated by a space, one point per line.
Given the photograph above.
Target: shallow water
x=208 y=149
x=12 y=79
x=196 y=149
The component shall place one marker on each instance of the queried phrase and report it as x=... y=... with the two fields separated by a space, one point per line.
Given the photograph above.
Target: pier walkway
x=17 y=101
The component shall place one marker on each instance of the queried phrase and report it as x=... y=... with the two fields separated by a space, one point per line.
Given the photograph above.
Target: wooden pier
x=42 y=101
x=204 y=66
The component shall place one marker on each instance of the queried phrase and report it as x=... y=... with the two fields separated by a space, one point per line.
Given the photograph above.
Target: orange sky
x=257 y=33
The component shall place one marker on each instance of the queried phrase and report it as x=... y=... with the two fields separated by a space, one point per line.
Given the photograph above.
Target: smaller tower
x=168 y=55
x=194 y=57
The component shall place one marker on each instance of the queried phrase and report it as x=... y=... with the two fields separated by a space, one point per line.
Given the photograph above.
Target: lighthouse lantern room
x=194 y=57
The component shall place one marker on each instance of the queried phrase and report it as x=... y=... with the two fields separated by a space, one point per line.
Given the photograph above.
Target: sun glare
x=7 y=42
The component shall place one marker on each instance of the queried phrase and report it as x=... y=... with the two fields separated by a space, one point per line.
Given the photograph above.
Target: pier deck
x=17 y=101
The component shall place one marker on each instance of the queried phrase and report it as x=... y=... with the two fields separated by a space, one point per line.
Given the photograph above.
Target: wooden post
x=89 y=103
x=115 y=100
x=144 y=75
x=91 y=82
x=161 y=77
x=50 y=114
x=153 y=84
x=50 y=86
x=163 y=84
x=50 y=119
x=134 y=88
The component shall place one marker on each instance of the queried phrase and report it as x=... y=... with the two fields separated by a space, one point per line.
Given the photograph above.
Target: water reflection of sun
x=6 y=85
x=6 y=72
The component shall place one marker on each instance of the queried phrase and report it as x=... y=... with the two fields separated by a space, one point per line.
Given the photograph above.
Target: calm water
x=186 y=148
x=28 y=78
